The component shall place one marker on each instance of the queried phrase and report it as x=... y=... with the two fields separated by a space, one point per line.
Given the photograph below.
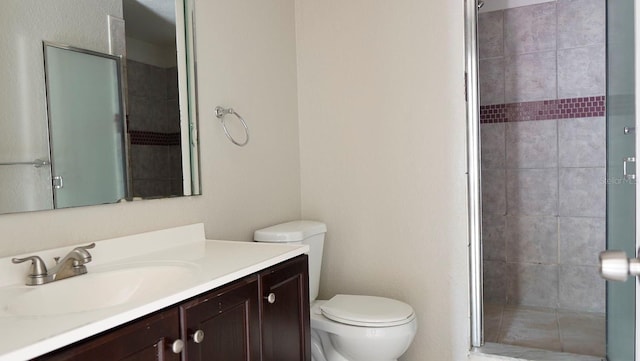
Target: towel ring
x=220 y=113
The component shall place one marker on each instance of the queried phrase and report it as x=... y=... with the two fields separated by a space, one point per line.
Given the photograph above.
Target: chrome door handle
x=625 y=173
x=58 y=182
x=615 y=266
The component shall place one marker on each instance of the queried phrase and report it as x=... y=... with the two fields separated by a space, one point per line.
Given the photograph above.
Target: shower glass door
x=86 y=127
x=621 y=191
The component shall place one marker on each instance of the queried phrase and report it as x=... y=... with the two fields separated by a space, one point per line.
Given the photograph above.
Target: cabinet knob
x=271 y=298
x=198 y=336
x=177 y=346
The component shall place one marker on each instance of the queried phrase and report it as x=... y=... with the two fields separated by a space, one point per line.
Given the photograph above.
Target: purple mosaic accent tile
x=153 y=138
x=544 y=110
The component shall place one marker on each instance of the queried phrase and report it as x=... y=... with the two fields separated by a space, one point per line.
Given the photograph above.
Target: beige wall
x=250 y=65
x=247 y=60
x=382 y=138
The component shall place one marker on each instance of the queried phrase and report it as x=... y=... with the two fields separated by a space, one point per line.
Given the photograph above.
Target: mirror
x=98 y=102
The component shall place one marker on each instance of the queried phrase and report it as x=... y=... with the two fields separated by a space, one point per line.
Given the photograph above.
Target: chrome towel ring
x=220 y=113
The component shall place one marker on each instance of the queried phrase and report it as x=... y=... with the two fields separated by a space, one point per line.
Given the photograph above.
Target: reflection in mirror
x=152 y=98
x=86 y=130
x=152 y=40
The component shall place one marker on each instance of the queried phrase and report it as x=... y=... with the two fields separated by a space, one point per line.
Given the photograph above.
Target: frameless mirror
x=97 y=102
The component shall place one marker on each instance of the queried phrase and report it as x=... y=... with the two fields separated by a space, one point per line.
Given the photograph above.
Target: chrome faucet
x=73 y=264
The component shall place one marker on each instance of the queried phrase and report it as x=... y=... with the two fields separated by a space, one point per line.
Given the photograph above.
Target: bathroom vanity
x=191 y=299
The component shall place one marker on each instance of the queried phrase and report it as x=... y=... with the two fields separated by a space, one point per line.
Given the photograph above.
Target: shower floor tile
x=549 y=329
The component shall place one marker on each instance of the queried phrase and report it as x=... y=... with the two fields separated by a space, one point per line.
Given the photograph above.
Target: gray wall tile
x=581 y=239
x=490 y=34
x=491 y=81
x=581 y=72
x=149 y=161
x=147 y=114
x=532 y=284
x=493 y=237
x=492 y=143
x=580 y=23
x=173 y=116
x=532 y=239
x=530 y=77
x=532 y=191
x=494 y=282
x=494 y=199
x=532 y=144
x=148 y=188
x=173 y=91
x=581 y=288
x=519 y=63
x=137 y=76
x=146 y=80
x=530 y=28
x=177 y=187
x=157 y=83
x=138 y=110
x=582 y=142
x=582 y=192
x=174 y=163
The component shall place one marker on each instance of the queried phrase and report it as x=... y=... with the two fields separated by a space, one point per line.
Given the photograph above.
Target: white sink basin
x=102 y=288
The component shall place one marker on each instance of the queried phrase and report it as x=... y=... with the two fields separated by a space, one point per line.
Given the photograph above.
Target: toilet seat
x=367 y=311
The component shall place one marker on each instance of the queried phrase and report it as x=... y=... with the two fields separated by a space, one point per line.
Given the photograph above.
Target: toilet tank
x=301 y=232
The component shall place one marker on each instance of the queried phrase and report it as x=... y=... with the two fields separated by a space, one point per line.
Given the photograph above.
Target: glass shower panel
x=620 y=191
x=86 y=127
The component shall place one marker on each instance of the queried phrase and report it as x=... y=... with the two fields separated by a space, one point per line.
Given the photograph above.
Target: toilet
x=346 y=327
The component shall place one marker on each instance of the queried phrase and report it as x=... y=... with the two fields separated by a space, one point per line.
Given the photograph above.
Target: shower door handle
x=58 y=182
x=625 y=172
x=615 y=266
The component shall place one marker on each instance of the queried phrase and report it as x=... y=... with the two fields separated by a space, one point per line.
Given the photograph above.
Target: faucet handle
x=85 y=248
x=38 y=268
x=82 y=250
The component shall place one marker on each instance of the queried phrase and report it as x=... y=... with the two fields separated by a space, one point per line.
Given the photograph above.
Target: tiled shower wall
x=542 y=88
x=154 y=130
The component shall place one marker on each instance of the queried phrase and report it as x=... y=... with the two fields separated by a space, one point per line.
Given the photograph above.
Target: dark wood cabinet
x=148 y=339
x=285 y=311
x=223 y=325
x=262 y=317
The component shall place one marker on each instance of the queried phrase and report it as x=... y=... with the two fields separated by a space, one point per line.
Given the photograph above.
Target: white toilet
x=346 y=327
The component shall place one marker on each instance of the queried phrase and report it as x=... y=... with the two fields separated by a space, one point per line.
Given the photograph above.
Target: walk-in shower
x=543 y=163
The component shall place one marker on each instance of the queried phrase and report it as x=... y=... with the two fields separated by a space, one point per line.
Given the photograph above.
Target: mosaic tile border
x=544 y=110
x=138 y=137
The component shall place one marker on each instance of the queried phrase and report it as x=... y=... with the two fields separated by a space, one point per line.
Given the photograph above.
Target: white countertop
x=213 y=263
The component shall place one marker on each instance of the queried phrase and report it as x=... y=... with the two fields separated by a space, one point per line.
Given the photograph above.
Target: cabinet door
x=285 y=311
x=223 y=325
x=149 y=339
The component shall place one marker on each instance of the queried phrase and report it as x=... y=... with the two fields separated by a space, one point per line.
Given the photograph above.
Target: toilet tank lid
x=294 y=231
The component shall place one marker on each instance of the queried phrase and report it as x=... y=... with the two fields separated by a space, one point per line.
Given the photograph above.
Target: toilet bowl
x=346 y=327
x=355 y=340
